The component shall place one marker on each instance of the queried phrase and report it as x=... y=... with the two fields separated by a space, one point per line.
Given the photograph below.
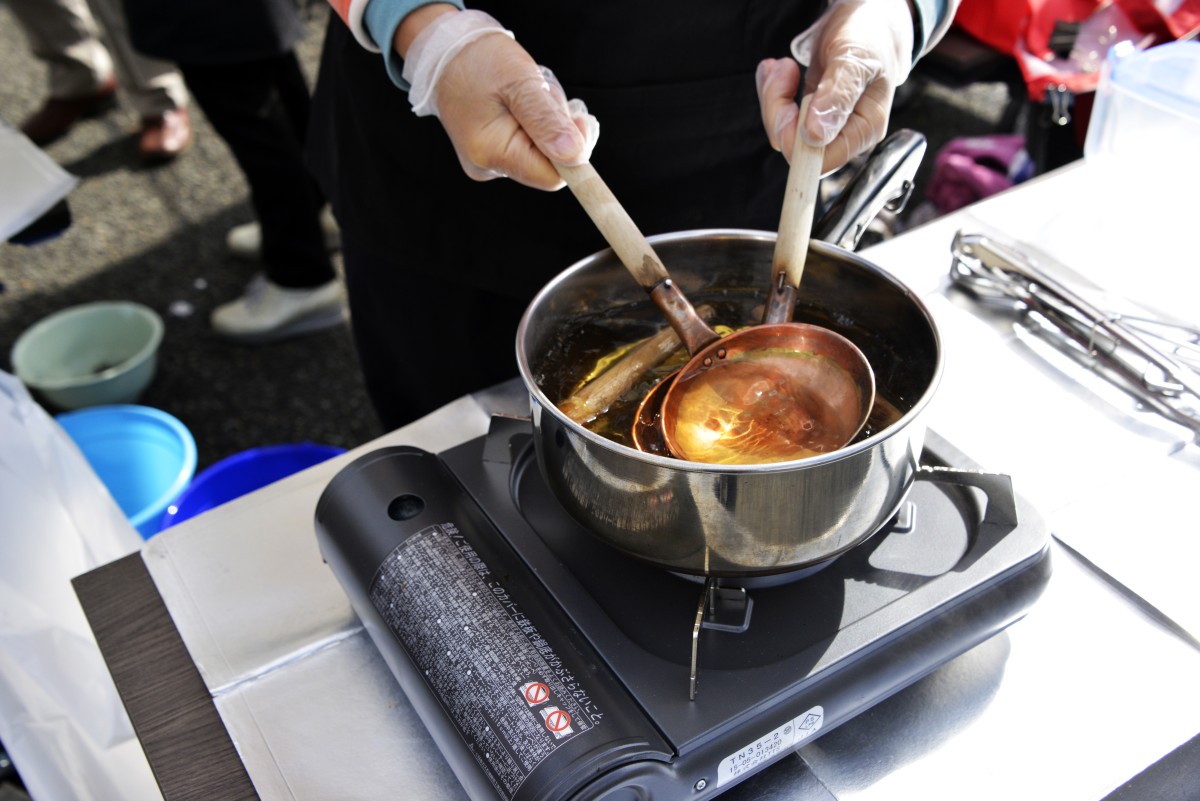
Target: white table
x=1099 y=681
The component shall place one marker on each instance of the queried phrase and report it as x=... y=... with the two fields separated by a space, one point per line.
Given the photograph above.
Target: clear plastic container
x=1142 y=157
x=1147 y=109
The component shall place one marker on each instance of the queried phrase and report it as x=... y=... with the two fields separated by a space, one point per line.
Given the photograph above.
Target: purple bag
x=971 y=168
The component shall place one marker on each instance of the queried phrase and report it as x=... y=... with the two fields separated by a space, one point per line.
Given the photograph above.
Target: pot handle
x=884 y=180
x=1001 y=507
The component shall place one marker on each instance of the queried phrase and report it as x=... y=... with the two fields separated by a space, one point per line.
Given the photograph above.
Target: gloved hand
x=857 y=54
x=505 y=115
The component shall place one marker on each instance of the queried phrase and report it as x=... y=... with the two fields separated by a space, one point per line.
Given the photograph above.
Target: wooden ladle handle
x=618 y=228
x=635 y=253
x=795 y=224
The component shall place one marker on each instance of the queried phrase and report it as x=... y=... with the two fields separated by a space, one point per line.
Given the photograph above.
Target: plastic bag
x=971 y=168
x=33 y=182
x=61 y=718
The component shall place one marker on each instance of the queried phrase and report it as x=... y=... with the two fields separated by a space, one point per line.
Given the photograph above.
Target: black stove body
x=546 y=665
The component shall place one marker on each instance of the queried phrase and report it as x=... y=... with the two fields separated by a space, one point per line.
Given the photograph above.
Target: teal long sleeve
x=381 y=19
x=933 y=17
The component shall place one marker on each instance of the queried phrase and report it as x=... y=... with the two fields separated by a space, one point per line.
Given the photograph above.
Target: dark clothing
x=681 y=146
x=261 y=108
x=214 y=31
x=420 y=335
x=237 y=60
x=671 y=46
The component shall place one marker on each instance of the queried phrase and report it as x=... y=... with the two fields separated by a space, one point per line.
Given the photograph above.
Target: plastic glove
x=505 y=115
x=858 y=53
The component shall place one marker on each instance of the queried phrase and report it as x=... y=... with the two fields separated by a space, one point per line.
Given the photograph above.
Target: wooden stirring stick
x=595 y=397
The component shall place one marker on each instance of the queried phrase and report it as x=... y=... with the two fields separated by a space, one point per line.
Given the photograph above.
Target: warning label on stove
x=770 y=745
x=499 y=679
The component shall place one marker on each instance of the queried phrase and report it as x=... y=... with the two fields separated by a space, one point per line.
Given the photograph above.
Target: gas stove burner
x=726 y=605
x=754 y=582
x=547 y=664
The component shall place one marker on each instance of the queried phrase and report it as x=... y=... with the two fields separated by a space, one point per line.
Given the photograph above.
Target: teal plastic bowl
x=96 y=354
x=241 y=473
x=144 y=456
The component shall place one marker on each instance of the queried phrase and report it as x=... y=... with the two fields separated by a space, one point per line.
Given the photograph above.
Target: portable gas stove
x=547 y=665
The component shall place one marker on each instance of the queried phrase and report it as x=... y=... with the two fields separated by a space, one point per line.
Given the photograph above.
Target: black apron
x=681 y=145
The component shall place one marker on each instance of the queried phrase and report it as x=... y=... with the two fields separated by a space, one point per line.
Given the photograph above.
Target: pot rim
x=541 y=399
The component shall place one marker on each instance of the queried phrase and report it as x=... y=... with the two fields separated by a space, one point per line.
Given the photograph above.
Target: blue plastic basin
x=144 y=456
x=244 y=472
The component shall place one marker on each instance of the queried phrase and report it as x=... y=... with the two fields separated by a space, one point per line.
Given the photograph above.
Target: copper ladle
x=780 y=390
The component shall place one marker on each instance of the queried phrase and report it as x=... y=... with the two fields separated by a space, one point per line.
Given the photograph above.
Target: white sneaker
x=268 y=312
x=245 y=241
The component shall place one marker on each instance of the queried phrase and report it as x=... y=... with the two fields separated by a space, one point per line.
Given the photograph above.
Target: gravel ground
x=156 y=236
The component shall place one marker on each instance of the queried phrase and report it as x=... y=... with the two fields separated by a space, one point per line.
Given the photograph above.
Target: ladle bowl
x=775 y=392
x=647 y=431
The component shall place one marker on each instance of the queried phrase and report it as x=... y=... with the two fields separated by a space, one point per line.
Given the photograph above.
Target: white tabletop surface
x=1096 y=683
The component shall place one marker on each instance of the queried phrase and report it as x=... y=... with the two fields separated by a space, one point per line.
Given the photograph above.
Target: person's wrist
x=415 y=22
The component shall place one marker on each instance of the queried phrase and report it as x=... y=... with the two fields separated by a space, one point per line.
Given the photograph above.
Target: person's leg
x=245 y=241
x=301 y=294
x=245 y=106
x=294 y=93
x=80 y=80
x=64 y=35
x=153 y=86
x=423 y=341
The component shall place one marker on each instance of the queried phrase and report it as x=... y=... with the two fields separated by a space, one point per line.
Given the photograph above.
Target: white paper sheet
x=32 y=183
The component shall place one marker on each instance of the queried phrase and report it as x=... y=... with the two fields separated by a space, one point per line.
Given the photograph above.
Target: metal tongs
x=1157 y=362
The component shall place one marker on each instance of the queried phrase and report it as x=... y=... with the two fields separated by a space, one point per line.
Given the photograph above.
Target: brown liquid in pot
x=589 y=338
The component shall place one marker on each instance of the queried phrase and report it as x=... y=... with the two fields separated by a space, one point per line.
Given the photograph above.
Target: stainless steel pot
x=743 y=520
